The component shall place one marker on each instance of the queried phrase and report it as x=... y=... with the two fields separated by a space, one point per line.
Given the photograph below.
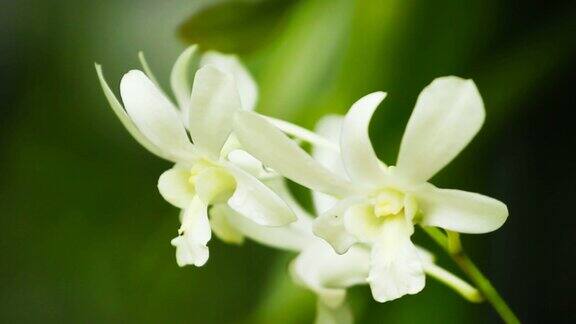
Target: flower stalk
x=453 y=246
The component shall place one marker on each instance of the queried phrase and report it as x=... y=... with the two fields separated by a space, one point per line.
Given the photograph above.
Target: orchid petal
x=214 y=185
x=155 y=115
x=246 y=162
x=223 y=229
x=212 y=105
x=230 y=64
x=194 y=235
x=361 y=222
x=125 y=119
x=175 y=187
x=180 y=78
x=396 y=271
x=303 y=134
x=330 y=226
x=328 y=127
x=460 y=211
x=360 y=160
x=292 y=237
x=276 y=150
x=257 y=202
x=448 y=114
x=328 y=274
x=147 y=69
x=396 y=267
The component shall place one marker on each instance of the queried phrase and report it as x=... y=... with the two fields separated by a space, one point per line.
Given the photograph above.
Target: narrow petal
x=213 y=103
x=460 y=211
x=329 y=127
x=246 y=85
x=154 y=115
x=360 y=160
x=330 y=226
x=304 y=134
x=276 y=150
x=175 y=188
x=396 y=269
x=194 y=235
x=180 y=77
x=328 y=274
x=147 y=69
x=125 y=119
x=257 y=202
x=448 y=114
x=292 y=237
x=195 y=221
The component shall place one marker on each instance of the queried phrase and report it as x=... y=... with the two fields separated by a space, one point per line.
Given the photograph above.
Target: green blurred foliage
x=85 y=236
x=235 y=26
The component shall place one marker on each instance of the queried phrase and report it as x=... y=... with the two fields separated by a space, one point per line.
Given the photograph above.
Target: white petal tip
x=130 y=79
x=188 y=253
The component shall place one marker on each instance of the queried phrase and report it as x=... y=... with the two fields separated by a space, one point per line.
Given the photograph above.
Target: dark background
x=84 y=235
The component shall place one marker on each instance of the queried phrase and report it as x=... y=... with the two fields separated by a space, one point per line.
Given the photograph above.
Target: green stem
x=451 y=243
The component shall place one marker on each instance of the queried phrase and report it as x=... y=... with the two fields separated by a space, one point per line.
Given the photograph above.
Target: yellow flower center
x=388 y=202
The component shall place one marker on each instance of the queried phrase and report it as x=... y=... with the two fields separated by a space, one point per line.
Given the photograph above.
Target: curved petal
x=147 y=69
x=257 y=202
x=460 y=211
x=328 y=274
x=175 y=188
x=330 y=226
x=212 y=105
x=360 y=160
x=246 y=162
x=361 y=222
x=125 y=119
x=396 y=268
x=180 y=78
x=276 y=150
x=154 y=115
x=292 y=237
x=223 y=229
x=303 y=134
x=328 y=127
x=194 y=235
x=448 y=113
x=246 y=85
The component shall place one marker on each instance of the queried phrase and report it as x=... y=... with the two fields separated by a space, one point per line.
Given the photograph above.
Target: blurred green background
x=84 y=235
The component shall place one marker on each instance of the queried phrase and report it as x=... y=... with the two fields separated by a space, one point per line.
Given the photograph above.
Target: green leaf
x=235 y=26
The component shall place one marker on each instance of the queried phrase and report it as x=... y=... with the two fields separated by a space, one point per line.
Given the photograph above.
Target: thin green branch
x=437 y=236
x=452 y=244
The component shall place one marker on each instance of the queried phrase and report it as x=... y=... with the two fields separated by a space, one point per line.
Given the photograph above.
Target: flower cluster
x=230 y=166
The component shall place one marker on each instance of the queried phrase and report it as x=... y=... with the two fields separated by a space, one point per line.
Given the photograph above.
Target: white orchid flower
x=378 y=205
x=193 y=136
x=317 y=266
